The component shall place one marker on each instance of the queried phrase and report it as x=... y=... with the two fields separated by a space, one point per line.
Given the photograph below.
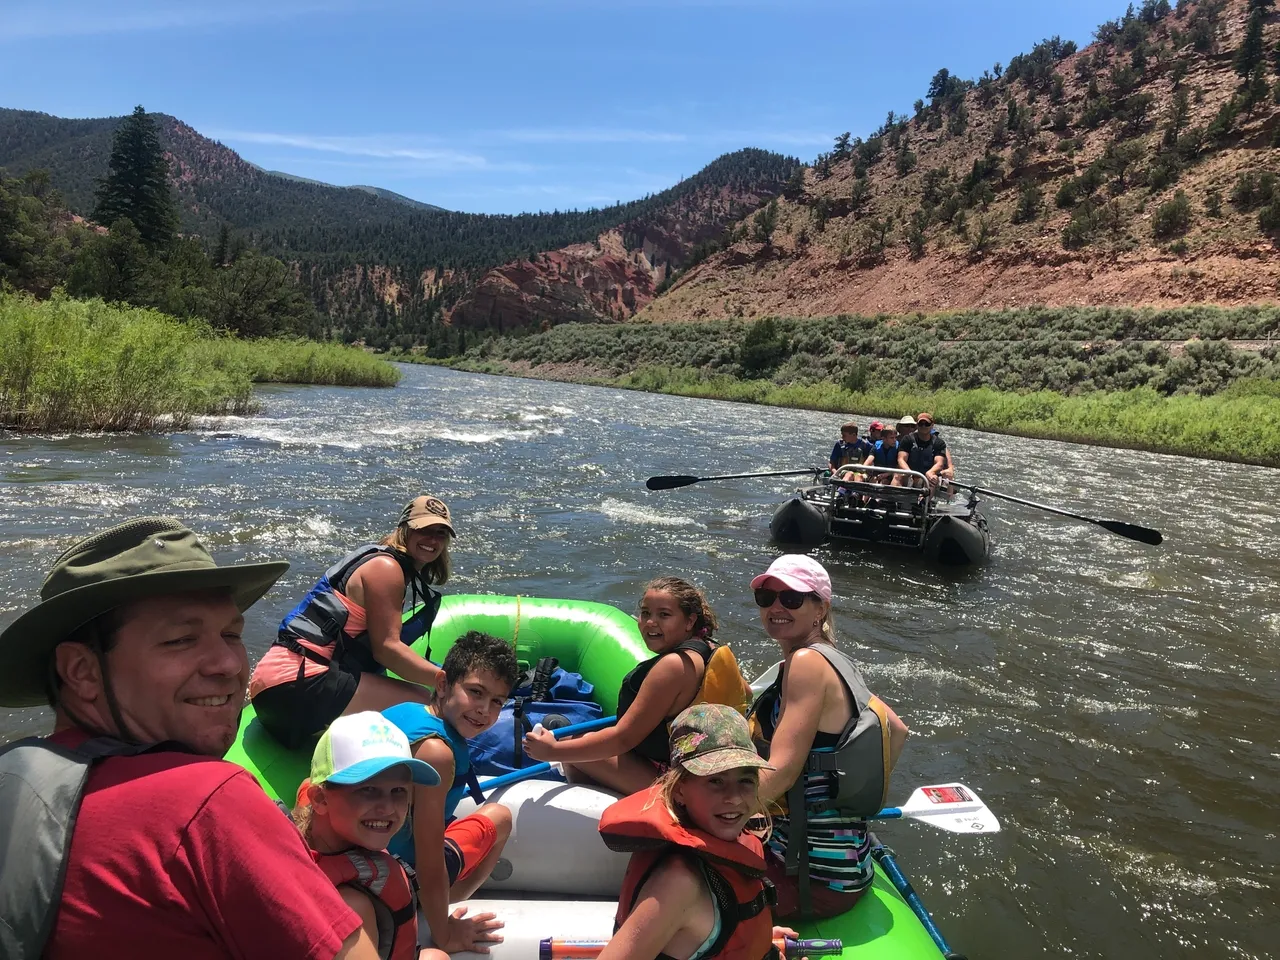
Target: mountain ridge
x=381 y=270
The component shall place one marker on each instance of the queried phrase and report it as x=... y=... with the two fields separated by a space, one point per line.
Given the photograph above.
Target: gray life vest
x=858 y=763
x=41 y=786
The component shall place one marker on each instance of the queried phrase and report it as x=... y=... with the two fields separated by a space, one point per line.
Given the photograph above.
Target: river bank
x=1198 y=381
x=86 y=365
x=1241 y=425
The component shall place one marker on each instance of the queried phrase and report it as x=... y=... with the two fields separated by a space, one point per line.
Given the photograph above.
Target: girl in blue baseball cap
x=357 y=797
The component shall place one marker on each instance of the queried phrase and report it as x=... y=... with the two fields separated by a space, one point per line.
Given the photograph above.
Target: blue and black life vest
x=850 y=451
x=320 y=617
x=885 y=455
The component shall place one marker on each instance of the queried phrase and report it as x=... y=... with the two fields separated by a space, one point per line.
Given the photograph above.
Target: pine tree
x=1252 y=49
x=136 y=186
x=222 y=249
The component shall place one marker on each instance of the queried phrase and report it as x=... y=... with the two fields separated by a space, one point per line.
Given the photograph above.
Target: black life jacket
x=920 y=456
x=321 y=616
x=722 y=682
x=858 y=763
x=642 y=826
x=41 y=788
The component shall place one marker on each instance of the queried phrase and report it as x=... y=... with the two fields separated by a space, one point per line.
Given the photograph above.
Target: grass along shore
x=1239 y=425
x=86 y=365
x=1201 y=381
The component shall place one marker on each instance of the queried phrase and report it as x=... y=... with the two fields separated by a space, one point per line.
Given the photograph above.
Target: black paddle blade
x=1132 y=531
x=669 y=483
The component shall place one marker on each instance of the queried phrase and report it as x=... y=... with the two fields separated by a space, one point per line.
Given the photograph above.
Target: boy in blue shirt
x=849 y=449
x=453 y=856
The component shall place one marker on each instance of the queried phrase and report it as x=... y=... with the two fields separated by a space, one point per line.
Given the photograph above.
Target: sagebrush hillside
x=1139 y=170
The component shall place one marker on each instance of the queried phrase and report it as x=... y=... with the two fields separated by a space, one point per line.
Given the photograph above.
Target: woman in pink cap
x=831 y=745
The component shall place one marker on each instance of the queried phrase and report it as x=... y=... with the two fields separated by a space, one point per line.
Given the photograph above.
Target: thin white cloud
x=353 y=146
x=797 y=138
x=590 y=135
x=47 y=20
x=397 y=152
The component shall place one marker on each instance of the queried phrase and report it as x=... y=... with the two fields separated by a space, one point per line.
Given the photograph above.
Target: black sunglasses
x=791 y=599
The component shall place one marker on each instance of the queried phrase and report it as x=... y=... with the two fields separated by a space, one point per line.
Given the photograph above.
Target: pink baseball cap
x=798 y=572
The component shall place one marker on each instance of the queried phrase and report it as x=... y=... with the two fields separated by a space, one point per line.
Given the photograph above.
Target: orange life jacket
x=388 y=885
x=642 y=826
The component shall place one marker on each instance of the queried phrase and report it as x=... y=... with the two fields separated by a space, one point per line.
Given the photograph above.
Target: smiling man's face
x=179 y=669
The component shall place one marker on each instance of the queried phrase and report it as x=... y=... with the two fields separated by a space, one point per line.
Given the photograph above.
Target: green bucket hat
x=711 y=738
x=146 y=557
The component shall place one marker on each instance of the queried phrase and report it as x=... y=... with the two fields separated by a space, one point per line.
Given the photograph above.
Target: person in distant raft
x=453 y=856
x=885 y=455
x=333 y=650
x=848 y=449
x=695 y=886
x=353 y=803
x=124 y=834
x=690 y=667
x=923 y=451
x=831 y=744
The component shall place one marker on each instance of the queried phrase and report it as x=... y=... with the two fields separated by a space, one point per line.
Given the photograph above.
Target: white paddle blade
x=952 y=807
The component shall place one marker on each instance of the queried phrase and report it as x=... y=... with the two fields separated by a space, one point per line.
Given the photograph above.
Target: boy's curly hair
x=481 y=651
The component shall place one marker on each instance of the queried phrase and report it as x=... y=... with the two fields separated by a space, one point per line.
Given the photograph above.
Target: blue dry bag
x=494 y=752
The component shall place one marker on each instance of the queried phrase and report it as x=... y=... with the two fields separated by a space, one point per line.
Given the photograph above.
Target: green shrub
x=1172 y=218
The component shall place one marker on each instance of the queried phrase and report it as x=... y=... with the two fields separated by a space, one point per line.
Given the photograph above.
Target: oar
x=884 y=858
x=1130 y=530
x=670 y=483
x=538 y=769
x=948 y=806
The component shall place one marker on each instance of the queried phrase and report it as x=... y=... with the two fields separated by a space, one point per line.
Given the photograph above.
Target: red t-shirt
x=176 y=855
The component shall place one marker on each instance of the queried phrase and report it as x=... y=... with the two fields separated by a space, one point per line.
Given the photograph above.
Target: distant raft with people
x=864 y=505
x=556 y=878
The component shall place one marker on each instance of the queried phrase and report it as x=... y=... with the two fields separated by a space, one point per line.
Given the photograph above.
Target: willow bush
x=86 y=365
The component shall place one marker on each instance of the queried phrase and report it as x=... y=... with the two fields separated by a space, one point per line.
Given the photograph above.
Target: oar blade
x=1133 y=531
x=670 y=483
x=952 y=807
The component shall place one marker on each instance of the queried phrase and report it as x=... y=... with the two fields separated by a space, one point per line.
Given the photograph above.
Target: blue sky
x=509 y=105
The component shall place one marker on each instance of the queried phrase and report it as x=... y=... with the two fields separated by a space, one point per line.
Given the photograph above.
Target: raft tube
x=596 y=640
x=555 y=895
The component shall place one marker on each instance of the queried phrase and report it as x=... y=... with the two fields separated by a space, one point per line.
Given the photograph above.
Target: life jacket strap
x=293 y=646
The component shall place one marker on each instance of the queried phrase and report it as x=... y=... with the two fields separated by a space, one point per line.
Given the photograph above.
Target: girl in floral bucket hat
x=695 y=886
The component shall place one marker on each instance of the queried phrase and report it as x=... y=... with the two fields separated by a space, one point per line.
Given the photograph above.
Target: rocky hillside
x=622 y=270
x=1139 y=170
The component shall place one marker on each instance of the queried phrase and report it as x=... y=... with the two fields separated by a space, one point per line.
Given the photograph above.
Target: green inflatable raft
x=603 y=644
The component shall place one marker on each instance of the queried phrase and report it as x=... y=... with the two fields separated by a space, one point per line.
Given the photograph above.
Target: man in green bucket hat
x=134 y=836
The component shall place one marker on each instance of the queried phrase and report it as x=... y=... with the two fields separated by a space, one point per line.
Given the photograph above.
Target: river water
x=1117 y=705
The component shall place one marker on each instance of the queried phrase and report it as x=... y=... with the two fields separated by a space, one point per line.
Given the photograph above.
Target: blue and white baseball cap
x=360 y=746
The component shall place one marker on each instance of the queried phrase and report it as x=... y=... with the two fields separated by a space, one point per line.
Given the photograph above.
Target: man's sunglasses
x=791 y=599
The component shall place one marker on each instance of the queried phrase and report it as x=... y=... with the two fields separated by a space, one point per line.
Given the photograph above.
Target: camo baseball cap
x=711 y=738
x=427 y=511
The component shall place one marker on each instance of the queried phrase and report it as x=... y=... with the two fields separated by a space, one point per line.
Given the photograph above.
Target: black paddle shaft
x=671 y=483
x=1130 y=530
